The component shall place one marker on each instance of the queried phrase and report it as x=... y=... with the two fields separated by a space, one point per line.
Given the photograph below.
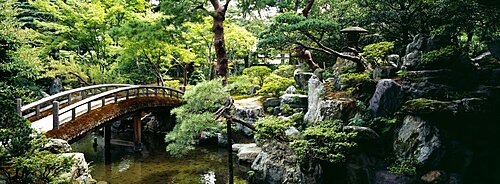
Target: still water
x=153 y=165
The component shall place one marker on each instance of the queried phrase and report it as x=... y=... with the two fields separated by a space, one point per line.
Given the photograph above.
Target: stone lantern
x=353 y=34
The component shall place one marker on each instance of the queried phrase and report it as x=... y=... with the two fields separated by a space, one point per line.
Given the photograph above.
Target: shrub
x=285 y=71
x=176 y=84
x=354 y=79
x=275 y=85
x=240 y=85
x=325 y=141
x=441 y=57
x=257 y=72
x=404 y=167
x=195 y=115
x=377 y=53
x=272 y=128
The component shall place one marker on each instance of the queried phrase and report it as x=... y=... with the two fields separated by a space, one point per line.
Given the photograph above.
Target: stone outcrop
x=277 y=163
x=80 y=172
x=302 y=78
x=420 y=140
x=387 y=99
x=249 y=113
x=294 y=100
x=57 y=146
x=246 y=153
x=271 y=102
x=291 y=90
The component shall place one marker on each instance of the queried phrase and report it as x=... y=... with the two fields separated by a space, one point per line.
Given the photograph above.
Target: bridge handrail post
x=55 y=115
x=19 y=104
x=103 y=101
x=37 y=110
x=73 y=114
x=116 y=98
x=83 y=94
x=69 y=99
x=137 y=92
x=89 y=106
x=127 y=94
x=156 y=91
x=147 y=91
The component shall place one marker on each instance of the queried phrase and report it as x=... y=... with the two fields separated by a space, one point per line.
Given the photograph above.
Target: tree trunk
x=219 y=42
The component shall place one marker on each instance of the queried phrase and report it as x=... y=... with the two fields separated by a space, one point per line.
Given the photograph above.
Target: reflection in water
x=206 y=165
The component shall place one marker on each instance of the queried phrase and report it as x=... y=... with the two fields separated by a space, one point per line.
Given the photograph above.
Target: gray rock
x=420 y=140
x=384 y=72
x=294 y=100
x=387 y=99
x=80 y=171
x=302 y=78
x=291 y=90
x=221 y=139
x=315 y=93
x=57 y=146
x=385 y=177
x=248 y=113
x=292 y=132
x=271 y=102
x=246 y=153
x=253 y=90
x=277 y=163
x=394 y=59
x=56 y=86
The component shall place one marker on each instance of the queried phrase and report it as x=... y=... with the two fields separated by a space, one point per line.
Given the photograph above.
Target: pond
x=207 y=164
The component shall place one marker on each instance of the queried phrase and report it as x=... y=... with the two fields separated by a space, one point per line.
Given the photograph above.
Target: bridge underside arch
x=102 y=115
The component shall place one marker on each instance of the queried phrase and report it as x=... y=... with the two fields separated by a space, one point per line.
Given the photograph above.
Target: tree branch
x=308 y=7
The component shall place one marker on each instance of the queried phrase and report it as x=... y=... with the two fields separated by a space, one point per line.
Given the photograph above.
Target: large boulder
x=271 y=102
x=291 y=90
x=421 y=43
x=277 y=163
x=384 y=72
x=294 y=100
x=57 y=146
x=246 y=153
x=56 y=86
x=302 y=78
x=387 y=99
x=249 y=113
x=80 y=172
x=419 y=139
x=320 y=109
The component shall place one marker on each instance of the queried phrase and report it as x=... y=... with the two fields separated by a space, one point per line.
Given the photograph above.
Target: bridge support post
x=19 y=103
x=55 y=115
x=107 y=143
x=138 y=131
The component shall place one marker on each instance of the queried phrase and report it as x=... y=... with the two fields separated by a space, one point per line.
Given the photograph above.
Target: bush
x=275 y=85
x=405 y=167
x=257 y=72
x=272 y=128
x=285 y=71
x=325 y=141
x=196 y=115
x=377 y=53
x=22 y=158
x=354 y=79
x=240 y=85
x=441 y=57
x=176 y=84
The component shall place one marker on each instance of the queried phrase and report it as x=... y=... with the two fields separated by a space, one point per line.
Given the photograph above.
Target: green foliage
x=240 y=85
x=286 y=108
x=442 y=57
x=272 y=127
x=275 y=85
x=257 y=72
x=377 y=53
x=354 y=79
x=21 y=152
x=176 y=84
x=325 y=141
x=285 y=71
x=196 y=115
x=405 y=167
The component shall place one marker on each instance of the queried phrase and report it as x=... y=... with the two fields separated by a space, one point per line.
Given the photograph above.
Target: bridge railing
x=64 y=98
x=111 y=96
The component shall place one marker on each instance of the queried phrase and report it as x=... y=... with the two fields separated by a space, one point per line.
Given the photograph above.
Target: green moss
x=354 y=79
x=406 y=167
x=441 y=57
x=425 y=106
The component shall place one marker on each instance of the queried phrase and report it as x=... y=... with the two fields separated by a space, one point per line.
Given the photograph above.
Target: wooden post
x=69 y=99
x=116 y=98
x=156 y=91
x=55 y=115
x=37 y=110
x=137 y=132
x=137 y=91
x=107 y=143
x=126 y=95
x=89 y=106
x=82 y=93
x=103 y=101
x=147 y=92
x=19 y=103
x=229 y=151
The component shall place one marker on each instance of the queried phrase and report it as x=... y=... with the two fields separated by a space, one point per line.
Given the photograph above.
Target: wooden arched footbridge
x=69 y=114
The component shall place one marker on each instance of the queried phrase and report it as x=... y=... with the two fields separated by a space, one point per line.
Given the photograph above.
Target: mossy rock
x=425 y=106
